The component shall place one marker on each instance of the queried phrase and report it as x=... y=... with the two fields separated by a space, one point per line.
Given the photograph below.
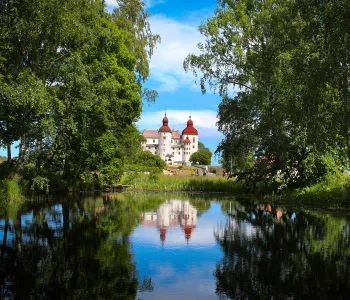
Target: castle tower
x=190 y=135
x=164 y=138
x=186 y=149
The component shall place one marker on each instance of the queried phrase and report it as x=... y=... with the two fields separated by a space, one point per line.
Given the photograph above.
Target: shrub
x=40 y=184
x=10 y=190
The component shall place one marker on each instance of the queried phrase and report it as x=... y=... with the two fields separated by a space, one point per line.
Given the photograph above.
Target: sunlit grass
x=180 y=183
x=333 y=189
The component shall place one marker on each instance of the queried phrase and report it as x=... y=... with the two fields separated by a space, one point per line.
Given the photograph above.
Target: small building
x=171 y=145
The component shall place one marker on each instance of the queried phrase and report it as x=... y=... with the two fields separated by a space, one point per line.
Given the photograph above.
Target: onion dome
x=190 y=129
x=165 y=127
x=188 y=231
x=163 y=234
x=187 y=140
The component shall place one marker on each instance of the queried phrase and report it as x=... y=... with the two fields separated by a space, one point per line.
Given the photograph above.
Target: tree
x=202 y=157
x=71 y=79
x=201 y=145
x=269 y=63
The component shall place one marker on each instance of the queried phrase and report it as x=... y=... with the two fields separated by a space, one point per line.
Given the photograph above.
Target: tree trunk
x=22 y=148
x=9 y=155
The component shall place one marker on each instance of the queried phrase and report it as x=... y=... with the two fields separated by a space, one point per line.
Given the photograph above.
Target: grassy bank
x=334 y=190
x=155 y=182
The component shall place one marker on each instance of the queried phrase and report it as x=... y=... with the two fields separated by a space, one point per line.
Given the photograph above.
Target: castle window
x=194 y=140
x=154 y=141
x=179 y=153
x=173 y=153
x=193 y=146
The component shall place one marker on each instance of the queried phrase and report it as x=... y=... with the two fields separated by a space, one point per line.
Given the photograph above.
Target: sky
x=177 y=22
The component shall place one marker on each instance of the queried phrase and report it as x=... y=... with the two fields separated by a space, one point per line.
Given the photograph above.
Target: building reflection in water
x=171 y=214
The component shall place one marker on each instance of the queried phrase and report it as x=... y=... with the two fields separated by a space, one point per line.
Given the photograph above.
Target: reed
x=10 y=190
x=180 y=183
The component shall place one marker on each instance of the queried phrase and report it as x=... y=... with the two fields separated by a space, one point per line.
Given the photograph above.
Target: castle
x=171 y=215
x=170 y=145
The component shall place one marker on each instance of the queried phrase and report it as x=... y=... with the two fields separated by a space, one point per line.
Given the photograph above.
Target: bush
x=10 y=190
x=40 y=184
x=203 y=157
x=154 y=177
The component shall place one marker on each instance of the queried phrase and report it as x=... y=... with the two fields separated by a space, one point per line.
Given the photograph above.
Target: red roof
x=150 y=134
x=175 y=135
x=187 y=140
x=165 y=127
x=190 y=129
x=163 y=234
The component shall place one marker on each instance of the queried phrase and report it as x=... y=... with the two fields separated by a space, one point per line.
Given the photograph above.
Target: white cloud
x=151 y=3
x=111 y=4
x=178 y=40
x=205 y=119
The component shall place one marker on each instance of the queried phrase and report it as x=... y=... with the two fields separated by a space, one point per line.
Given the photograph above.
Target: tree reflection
x=270 y=253
x=75 y=250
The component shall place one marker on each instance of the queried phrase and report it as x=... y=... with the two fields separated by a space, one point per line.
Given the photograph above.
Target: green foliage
x=202 y=157
x=292 y=105
x=332 y=190
x=148 y=159
x=10 y=191
x=200 y=145
x=71 y=77
x=40 y=184
x=213 y=170
x=178 y=183
x=145 y=161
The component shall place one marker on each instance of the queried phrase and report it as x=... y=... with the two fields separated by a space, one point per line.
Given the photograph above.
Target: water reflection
x=77 y=249
x=276 y=253
x=151 y=246
x=170 y=215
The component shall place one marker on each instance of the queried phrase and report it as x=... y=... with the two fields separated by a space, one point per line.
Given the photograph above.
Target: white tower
x=186 y=150
x=190 y=135
x=164 y=138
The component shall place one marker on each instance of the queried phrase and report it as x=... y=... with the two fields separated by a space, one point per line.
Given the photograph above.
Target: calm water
x=147 y=246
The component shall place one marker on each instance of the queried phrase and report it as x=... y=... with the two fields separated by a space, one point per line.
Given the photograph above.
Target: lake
x=163 y=246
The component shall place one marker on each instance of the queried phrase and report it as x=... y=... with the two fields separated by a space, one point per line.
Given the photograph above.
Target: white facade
x=170 y=145
x=172 y=214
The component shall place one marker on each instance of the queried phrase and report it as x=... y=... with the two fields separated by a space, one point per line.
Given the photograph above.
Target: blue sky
x=177 y=22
